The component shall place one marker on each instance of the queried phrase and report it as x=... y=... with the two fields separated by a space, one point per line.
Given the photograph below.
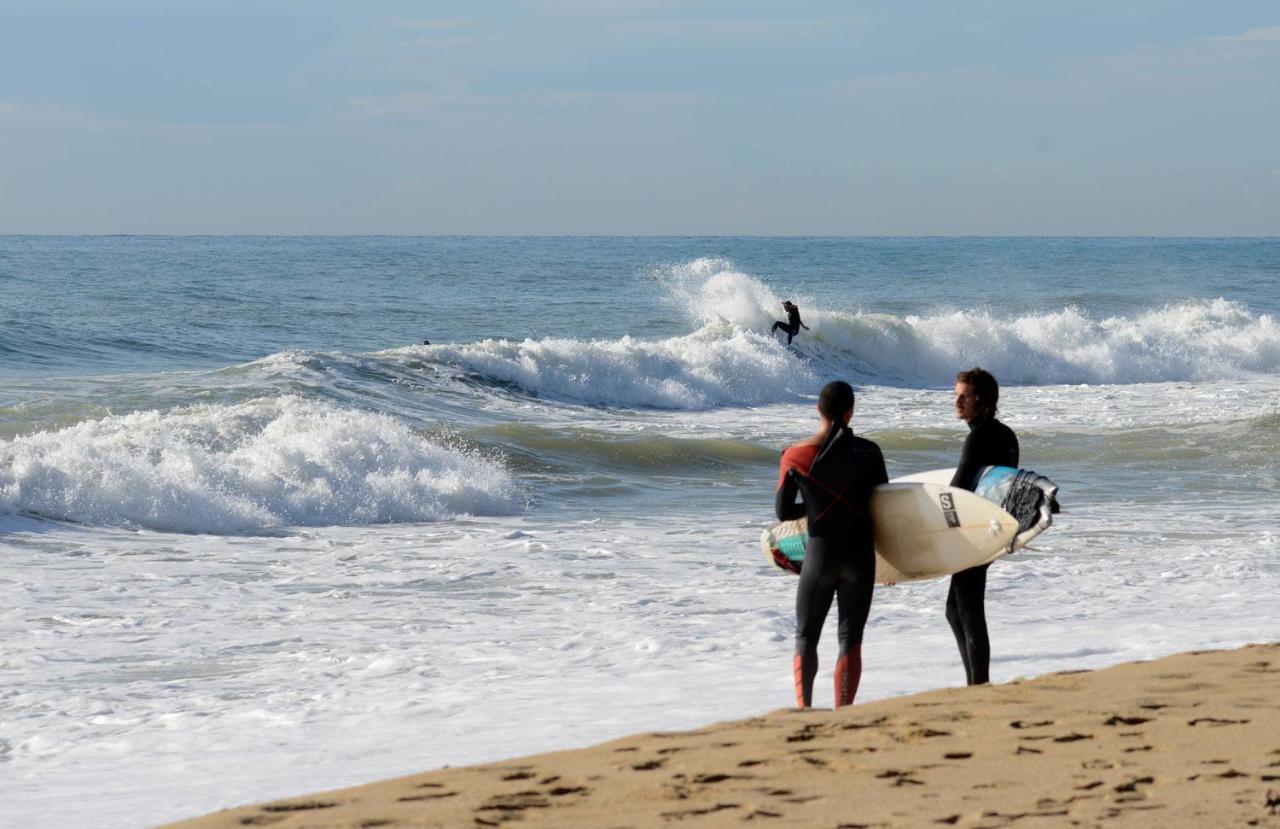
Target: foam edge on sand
x=1187 y=740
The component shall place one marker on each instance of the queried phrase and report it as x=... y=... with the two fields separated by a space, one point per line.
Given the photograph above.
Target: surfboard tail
x=1033 y=500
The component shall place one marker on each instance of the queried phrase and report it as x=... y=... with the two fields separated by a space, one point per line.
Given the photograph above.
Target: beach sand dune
x=1189 y=740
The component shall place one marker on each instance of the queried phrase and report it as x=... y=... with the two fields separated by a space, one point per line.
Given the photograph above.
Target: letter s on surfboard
x=949 y=509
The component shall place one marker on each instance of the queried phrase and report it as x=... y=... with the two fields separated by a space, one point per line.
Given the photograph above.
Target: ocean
x=259 y=540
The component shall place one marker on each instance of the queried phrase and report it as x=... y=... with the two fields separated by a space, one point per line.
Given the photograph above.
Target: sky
x=641 y=117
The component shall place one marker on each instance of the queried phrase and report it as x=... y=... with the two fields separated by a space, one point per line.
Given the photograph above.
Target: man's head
x=786 y=303
x=835 y=401
x=977 y=394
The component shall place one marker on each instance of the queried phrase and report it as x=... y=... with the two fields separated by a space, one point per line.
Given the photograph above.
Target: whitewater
x=259 y=539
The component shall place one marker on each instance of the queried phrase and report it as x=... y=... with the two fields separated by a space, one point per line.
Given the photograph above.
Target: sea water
x=259 y=540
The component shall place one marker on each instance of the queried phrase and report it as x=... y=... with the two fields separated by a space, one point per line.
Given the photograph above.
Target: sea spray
x=710 y=290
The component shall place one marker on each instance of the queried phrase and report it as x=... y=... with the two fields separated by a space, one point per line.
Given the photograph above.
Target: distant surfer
x=793 y=324
x=990 y=443
x=833 y=473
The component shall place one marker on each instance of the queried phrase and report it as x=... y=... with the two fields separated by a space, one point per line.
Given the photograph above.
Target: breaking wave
x=248 y=467
x=731 y=359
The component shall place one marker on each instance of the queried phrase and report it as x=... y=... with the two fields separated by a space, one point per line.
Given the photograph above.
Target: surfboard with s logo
x=925 y=529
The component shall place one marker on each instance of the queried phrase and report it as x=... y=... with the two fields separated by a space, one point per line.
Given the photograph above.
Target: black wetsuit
x=791 y=326
x=990 y=443
x=839 y=559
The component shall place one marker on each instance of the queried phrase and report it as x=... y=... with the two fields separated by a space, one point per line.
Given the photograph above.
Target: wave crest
x=1194 y=340
x=252 y=466
x=718 y=365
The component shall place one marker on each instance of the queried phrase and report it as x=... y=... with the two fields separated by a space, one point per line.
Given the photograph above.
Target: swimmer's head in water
x=835 y=401
x=977 y=394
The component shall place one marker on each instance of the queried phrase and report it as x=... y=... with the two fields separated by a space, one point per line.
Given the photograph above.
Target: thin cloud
x=1269 y=33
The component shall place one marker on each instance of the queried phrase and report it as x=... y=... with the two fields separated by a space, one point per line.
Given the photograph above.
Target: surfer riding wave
x=793 y=324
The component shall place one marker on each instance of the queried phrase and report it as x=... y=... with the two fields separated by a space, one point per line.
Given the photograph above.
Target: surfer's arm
x=784 y=500
x=968 y=467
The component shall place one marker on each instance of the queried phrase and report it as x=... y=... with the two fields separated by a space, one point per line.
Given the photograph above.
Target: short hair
x=985 y=387
x=835 y=399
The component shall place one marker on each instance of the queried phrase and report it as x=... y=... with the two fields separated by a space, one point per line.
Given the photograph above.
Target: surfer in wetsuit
x=833 y=472
x=990 y=443
x=793 y=324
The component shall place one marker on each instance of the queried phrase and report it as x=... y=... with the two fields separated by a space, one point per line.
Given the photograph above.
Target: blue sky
x=641 y=117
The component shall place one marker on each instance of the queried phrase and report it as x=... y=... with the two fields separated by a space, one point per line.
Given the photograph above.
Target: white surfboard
x=923 y=531
x=928 y=530
x=942 y=477
x=990 y=487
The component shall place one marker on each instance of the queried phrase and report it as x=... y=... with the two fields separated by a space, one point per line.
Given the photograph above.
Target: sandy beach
x=1188 y=740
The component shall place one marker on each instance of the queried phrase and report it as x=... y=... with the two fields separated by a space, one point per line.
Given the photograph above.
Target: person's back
x=834 y=472
x=836 y=489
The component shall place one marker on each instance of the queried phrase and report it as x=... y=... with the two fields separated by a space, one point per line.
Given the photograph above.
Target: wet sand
x=1189 y=740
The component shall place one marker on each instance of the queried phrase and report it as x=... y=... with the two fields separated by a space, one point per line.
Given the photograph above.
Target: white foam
x=731 y=359
x=253 y=466
x=1190 y=340
x=718 y=365
x=1193 y=340
x=711 y=291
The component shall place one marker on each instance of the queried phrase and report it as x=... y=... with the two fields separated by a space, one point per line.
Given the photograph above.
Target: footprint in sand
x=1116 y=719
x=412 y=798
x=301 y=806
x=688 y=813
x=900 y=778
x=1214 y=721
x=512 y=804
x=1072 y=737
x=518 y=775
x=1132 y=785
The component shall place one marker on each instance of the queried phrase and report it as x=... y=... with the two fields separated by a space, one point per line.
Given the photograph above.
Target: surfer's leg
x=813 y=600
x=968 y=619
x=854 y=600
x=953 y=619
